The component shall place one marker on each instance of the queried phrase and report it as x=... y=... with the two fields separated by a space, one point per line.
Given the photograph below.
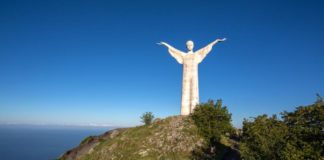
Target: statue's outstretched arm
x=204 y=51
x=178 y=55
x=217 y=40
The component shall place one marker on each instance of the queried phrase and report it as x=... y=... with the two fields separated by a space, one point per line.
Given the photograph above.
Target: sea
x=41 y=142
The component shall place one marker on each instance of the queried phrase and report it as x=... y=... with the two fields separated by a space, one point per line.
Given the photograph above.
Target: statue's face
x=190 y=45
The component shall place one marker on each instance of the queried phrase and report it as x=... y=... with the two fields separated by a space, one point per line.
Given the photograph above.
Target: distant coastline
x=59 y=125
x=38 y=142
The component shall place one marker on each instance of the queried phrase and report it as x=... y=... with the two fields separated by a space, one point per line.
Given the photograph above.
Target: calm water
x=41 y=142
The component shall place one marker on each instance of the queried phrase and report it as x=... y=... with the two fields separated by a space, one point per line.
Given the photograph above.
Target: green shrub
x=147 y=118
x=262 y=138
x=306 y=131
x=299 y=135
x=212 y=120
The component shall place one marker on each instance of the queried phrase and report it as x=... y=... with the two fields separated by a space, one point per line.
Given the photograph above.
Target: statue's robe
x=190 y=89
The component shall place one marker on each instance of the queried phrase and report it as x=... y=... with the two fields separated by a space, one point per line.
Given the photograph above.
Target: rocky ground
x=171 y=138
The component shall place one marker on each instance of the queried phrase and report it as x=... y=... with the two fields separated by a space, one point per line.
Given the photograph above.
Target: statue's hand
x=217 y=40
x=221 y=40
x=161 y=43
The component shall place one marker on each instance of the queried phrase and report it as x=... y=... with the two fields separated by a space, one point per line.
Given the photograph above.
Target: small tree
x=147 y=118
x=212 y=120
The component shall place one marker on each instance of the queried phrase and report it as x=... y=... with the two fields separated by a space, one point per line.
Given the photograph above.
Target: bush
x=306 y=128
x=299 y=135
x=263 y=137
x=212 y=121
x=147 y=118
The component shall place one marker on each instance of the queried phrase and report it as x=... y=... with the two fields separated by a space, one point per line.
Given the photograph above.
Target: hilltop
x=175 y=137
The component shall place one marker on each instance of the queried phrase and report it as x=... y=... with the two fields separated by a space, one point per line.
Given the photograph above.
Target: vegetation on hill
x=171 y=138
x=212 y=120
x=214 y=124
x=298 y=135
x=147 y=118
x=208 y=134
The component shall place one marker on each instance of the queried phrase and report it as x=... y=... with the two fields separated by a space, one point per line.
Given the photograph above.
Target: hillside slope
x=171 y=138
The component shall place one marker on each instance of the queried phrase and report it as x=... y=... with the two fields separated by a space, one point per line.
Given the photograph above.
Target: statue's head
x=190 y=45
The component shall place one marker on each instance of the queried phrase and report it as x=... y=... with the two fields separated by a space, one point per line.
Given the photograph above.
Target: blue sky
x=83 y=62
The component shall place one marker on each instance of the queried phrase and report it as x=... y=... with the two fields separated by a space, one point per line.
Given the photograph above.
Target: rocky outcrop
x=171 y=138
x=88 y=144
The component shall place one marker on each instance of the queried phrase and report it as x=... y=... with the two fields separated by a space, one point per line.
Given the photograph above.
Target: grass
x=170 y=138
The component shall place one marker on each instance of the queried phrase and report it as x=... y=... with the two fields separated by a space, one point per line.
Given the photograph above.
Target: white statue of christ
x=190 y=61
